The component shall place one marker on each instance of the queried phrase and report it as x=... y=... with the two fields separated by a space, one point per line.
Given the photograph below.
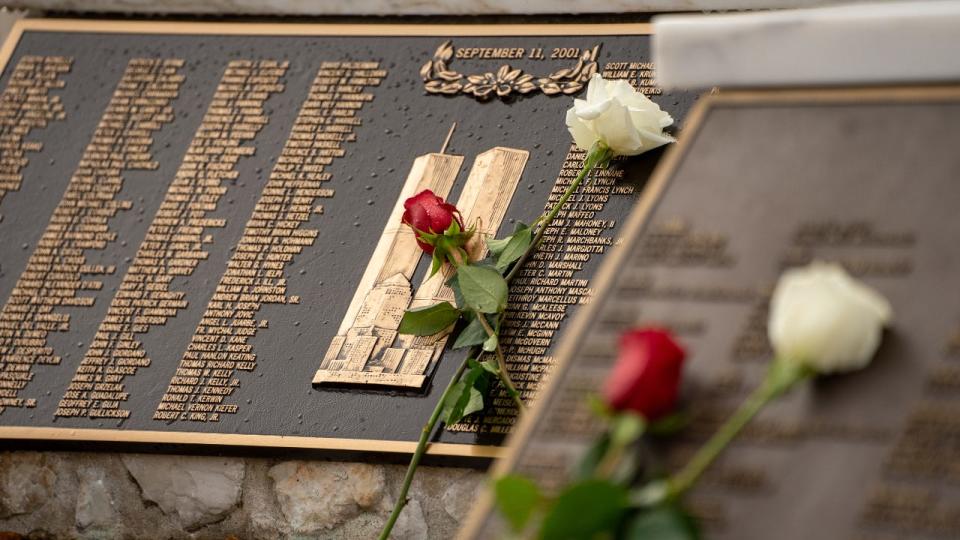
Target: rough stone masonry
x=87 y=495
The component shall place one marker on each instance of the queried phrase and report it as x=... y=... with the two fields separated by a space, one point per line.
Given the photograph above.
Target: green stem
x=503 y=373
x=418 y=454
x=780 y=377
x=598 y=154
x=608 y=463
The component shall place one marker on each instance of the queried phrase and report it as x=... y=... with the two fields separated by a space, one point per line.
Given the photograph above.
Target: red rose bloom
x=646 y=377
x=426 y=212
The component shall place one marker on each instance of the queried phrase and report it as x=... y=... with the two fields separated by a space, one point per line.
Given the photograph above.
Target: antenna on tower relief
x=443 y=149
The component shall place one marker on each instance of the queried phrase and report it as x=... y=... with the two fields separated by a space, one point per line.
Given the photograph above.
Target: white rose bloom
x=826 y=320
x=627 y=121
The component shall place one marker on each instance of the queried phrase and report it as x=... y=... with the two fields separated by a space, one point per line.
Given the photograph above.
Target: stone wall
x=143 y=496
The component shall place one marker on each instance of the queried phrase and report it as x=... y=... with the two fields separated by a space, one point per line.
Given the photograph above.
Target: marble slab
x=902 y=42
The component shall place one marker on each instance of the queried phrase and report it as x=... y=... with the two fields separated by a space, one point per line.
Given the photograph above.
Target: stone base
x=103 y=495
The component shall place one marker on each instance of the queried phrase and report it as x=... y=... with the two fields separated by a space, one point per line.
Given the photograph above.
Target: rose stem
x=780 y=377
x=502 y=373
x=608 y=464
x=421 y=449
x=596 y=155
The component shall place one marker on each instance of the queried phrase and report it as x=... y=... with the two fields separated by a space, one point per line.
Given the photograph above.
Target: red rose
x=646 y=377
x=427 y=213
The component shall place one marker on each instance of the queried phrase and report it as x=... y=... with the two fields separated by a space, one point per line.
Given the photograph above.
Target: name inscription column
x=543 y=291
x=174 y=242
x=55 y=273
x=273 y=235
x=26 y=104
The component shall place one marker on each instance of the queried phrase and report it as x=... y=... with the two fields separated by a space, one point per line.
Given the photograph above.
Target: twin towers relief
x=367 y=349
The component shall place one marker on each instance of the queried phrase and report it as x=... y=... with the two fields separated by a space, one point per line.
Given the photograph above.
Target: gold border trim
x=282 y=29
x=334 y=29
x=319 y=29
x=10 y=44
x=521 y=435
x=235 y=439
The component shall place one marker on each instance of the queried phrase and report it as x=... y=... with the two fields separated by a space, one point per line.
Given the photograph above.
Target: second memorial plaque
x=764 y=182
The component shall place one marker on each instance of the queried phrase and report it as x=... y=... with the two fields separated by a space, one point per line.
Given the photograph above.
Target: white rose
x=826 y=320
x=628 y=122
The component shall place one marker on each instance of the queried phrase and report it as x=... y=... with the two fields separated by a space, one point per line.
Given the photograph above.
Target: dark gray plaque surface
x=78 y=366
x=763 y=182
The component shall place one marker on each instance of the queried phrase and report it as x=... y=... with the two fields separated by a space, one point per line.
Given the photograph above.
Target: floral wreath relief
x=438 y=78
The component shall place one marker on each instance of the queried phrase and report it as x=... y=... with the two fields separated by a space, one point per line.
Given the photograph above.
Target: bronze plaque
x=200 y=239
x=762 y=182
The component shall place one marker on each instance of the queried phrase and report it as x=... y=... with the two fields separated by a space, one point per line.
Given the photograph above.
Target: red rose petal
x=646 y=377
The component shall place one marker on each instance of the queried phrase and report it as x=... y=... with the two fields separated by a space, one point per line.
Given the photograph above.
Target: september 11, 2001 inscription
x=200 y=230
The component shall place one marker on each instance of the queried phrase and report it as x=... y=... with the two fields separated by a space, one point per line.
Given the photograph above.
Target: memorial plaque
x=762 y=182
x=200 y=237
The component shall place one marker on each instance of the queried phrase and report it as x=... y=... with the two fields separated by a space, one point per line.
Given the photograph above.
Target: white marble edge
x=901 y=42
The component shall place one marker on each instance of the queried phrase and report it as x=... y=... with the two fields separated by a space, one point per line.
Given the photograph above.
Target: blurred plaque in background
x=200 y=239
x=762 y=182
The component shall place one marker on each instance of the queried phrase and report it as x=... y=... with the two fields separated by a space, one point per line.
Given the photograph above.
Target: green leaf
x=483 y=288
x=517 y=497
x=626 y=428
x=521 y=225
x=460 y=397
x=496 y=246
x=491 y=367
x=427 y=321
x=426 y=235
x=517 y=245
x=472 y=334
x=437 y=262
x=490 y=344
x=466 y=397
x=585 y=509
x=663 y=523
x=487 y=261
x=453 y=229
